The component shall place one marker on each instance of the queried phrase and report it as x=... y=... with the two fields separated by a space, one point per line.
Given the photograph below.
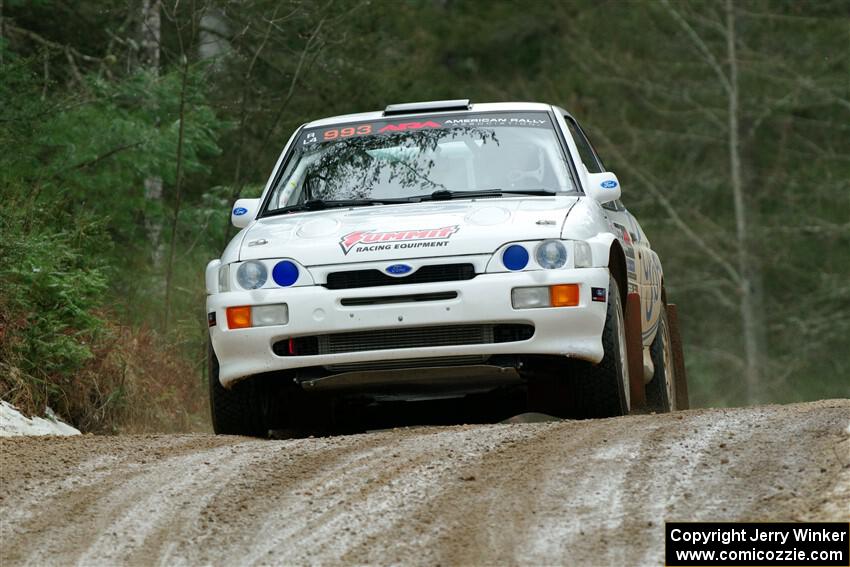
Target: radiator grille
x=413 y=337
x=409 y=363
x=426 y=274
x=406 y=338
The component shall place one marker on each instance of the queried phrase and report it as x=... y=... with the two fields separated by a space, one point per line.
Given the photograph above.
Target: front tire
x=238 y=410
x=606 y=385
x=576 y=389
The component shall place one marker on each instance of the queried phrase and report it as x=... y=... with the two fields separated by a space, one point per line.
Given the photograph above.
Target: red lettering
x=409 y=126
x=351 y=239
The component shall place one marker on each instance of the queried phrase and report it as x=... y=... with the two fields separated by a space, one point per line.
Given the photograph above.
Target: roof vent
x=432 y=106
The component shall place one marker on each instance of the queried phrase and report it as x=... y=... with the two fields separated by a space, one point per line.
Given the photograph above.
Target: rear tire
x=238 y=410
x=661 y=390
x=572 y=388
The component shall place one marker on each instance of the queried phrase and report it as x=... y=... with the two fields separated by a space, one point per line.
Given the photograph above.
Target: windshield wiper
x=320 y=204
x=445 y=195
x=441 y=195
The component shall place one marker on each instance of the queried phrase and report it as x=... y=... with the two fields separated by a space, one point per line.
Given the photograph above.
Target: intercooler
x=395 y=339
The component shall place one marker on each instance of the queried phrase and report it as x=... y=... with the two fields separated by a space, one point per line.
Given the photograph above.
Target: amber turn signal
x=238 y=317
x=565 y=295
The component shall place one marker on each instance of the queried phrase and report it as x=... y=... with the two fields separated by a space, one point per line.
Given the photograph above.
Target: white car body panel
x=316 y=238
x=463 y=231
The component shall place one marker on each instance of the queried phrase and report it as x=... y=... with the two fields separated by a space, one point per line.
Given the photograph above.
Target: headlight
x=224 y=278
x=285 y=273
x=583 y=258
x=551 y=254
x=252 y=275
x=515 y=257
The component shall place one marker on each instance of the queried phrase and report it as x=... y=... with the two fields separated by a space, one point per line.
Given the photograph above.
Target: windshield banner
x=483 y=120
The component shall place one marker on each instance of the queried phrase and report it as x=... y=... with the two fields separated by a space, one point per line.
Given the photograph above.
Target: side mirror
x=243 y=212
x=603 y=187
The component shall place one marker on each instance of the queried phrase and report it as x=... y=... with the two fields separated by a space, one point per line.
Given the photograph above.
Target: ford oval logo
x=609 y=184
x=398 y=269
x=239 y=211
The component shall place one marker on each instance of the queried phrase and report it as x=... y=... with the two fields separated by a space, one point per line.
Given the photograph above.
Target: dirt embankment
x=591 y=492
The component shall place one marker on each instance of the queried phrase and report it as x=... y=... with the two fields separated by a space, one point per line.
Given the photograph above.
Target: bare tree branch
x=699 y=44
x=94 y=161
x=651 y=186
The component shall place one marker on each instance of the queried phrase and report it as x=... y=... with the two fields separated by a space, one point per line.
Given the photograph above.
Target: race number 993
x=347 y=132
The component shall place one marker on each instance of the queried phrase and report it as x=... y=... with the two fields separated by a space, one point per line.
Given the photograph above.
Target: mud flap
x=678 y=358
x=634 y=350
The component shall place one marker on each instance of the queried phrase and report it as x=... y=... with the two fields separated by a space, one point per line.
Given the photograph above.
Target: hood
x=395 y=232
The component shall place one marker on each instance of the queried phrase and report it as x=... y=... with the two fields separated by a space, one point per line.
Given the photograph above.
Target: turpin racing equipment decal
x=372 y=241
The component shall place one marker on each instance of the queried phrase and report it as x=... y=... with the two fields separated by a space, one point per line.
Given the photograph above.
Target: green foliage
x=50 y=292
x=75 y=239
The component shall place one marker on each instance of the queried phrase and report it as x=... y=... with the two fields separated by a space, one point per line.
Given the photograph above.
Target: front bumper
x=486 y=299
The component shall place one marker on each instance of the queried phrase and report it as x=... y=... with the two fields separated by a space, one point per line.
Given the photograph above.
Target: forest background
x=128 y=127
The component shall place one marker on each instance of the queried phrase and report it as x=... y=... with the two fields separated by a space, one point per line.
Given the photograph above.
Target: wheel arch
x=617 y=267
x=608 y=252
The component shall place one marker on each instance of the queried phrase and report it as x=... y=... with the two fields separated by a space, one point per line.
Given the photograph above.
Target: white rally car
x=434 y=249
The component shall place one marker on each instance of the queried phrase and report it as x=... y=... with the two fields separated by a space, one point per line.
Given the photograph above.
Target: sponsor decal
x=635 y=232
x=398 y=269
x=239 y=211
x=598 y=293
x=372 y=241
x=366 y=129
x=630 y=265
x=341 y=132
x=609 y=184
x=652 y=278
x=410 y=126
x=211 y=319
x=495 y=121
x=625 y=236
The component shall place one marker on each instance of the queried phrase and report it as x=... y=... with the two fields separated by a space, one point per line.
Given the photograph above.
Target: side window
x=584 y=148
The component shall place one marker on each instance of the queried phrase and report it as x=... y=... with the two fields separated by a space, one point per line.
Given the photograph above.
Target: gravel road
x=563 y=492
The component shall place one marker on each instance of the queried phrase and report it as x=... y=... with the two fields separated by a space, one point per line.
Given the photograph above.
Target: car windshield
x=410 y=158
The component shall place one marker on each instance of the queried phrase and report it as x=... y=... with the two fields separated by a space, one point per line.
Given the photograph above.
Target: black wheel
x=239 y=410
x=605 y=386
x=571 y=388
x=661 y=390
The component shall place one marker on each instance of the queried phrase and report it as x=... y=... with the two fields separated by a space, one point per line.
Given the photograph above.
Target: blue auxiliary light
x=515 y=257
x=285 y=273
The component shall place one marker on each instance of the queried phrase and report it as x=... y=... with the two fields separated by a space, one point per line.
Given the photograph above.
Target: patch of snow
x=12 y=423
